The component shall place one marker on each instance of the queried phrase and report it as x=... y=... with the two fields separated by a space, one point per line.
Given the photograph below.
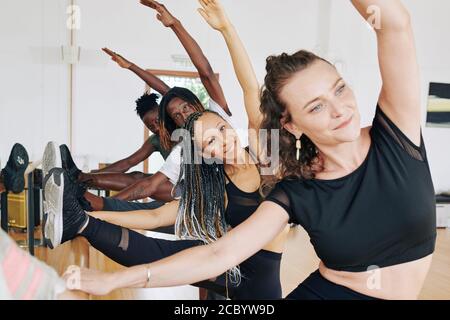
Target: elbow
x=250 y=90
x=401 y=22
x=221 y=256
x=206 y=73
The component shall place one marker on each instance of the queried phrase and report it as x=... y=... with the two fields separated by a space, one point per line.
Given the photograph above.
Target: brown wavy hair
x=280 y=69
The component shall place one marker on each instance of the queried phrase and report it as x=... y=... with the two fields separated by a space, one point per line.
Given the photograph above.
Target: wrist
x=113 y=279
x=227 y=28
x=176 y=24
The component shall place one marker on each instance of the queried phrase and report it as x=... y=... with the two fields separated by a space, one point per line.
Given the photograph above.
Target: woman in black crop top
x=219 y=184
x=365 y=196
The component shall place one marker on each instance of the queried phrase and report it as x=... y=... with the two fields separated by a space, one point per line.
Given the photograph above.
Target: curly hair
x=280 y=69
x=146 y=103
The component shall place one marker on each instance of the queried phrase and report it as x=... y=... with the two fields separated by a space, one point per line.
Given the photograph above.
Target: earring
x=298 y=146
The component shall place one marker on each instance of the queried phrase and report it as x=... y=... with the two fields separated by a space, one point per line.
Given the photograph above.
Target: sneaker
x=51 y=159
x=65 y=217
x=13 y=173
x=68 y=164
x=79 y=190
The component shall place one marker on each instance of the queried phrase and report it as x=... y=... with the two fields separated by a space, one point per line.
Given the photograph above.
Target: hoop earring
x=298 y=146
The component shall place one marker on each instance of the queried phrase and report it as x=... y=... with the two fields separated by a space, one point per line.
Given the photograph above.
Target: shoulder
x=291 y=185
x=153 y=140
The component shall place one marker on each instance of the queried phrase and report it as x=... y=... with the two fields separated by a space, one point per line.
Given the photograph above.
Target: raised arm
x=400 y=93
x=149 y=78
x=141 y=219
x=214 y=14
x=145 y=151
x=198 y=263
x=194 y=51
x=156 y=186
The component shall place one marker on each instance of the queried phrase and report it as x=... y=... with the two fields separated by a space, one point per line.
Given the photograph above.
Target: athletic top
x=156 y=143
x=171 y=168
x=381 y=214
x=241 y=205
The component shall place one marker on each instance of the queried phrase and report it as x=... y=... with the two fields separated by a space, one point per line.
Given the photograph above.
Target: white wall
x=33 y=80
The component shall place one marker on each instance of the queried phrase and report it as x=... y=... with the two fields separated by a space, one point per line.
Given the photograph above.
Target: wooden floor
x=299 y=260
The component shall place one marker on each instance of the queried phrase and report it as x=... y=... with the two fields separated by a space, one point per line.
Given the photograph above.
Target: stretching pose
x=176 y=106
x=214 y=196
x=112 y=177
x=365 y=196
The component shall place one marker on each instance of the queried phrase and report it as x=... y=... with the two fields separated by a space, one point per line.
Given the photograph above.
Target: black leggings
x=316 y=287
x=260 y=274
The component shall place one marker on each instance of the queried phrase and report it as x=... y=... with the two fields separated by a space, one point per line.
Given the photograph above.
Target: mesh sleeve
x=383 y=123
x=279 y=196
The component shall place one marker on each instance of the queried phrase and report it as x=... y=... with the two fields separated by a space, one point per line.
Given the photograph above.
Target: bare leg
x=111 y=181
x=157 y=187
x=163 y=192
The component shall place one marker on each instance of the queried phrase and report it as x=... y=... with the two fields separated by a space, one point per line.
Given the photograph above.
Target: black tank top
x=241 y=205
x=380 y=215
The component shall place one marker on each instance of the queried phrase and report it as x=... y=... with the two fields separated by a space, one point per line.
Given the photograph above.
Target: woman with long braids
x=219 y=185
x=364 y=196
x=176 y=106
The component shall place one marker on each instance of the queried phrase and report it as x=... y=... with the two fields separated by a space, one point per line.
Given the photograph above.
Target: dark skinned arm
x=149 y=78
x=201 y=63
x=124 y=165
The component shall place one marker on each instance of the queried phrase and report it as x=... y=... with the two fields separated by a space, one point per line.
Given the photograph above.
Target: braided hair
x=201 y=213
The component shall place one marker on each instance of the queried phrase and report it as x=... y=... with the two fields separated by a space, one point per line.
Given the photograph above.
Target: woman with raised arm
x=365 y=196
x=216 y=196
x=217 y=19
x=177 y=104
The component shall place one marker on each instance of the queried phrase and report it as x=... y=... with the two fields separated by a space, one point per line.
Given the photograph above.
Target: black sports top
x=241 y=205
x=381 y=214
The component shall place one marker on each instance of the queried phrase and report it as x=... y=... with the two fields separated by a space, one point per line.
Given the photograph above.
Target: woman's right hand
x=214 y=14
x=121 y=61
x=89 y=280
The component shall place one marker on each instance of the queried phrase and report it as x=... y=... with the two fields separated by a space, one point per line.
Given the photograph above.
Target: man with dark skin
x=114 y=176
x=159 y=185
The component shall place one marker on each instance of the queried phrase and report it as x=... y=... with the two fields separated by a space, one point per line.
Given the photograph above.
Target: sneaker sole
x=51 y=159
x=53 y=193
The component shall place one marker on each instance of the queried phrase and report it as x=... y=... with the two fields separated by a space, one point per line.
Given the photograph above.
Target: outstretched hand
x=89 y=280
x=214 y=14
x=121 y=61
x=166 y=18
